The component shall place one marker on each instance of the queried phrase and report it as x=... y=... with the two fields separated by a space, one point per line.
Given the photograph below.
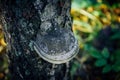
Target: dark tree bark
x=22 y=19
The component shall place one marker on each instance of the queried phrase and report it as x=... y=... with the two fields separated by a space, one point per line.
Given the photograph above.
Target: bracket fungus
x=56 y=46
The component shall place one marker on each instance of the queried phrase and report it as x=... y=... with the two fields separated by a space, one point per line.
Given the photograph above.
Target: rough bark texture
x=22 y=20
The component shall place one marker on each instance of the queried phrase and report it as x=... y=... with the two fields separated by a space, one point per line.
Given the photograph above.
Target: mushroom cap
x=57 y=46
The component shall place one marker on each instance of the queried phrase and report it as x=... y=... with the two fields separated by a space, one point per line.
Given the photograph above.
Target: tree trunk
x=22 y=20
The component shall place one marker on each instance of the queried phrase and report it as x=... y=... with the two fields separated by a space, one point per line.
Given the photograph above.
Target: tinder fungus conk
x=56 y=46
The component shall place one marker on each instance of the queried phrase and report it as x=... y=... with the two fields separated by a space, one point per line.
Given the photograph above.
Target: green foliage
x=88 y=20
x=116 y=67
x=103 y=57
x=116 y=35
x=117 y=55
x=105 y=53
x=100 y=62
x=74 y=67
x=93 y=52
x=111 y=58
x=106 y=68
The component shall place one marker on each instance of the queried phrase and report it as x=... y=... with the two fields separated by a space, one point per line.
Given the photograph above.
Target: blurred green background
x=96 y=25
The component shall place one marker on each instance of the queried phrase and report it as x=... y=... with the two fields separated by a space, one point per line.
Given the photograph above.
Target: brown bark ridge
x=22 y=19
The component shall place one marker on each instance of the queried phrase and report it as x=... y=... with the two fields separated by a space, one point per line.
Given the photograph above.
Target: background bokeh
x=96 y=25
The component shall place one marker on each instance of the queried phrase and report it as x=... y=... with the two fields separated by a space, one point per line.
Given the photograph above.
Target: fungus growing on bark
x=56 y=46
